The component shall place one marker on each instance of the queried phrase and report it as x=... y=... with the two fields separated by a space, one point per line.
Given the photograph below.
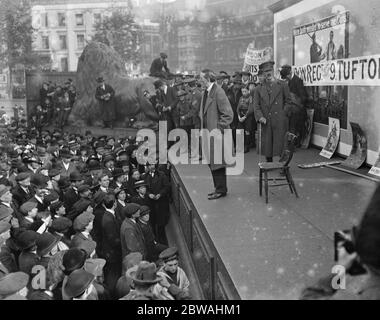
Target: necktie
x=205 y=99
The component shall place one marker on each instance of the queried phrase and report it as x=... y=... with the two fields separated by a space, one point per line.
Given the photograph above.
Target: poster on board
x=323 y=41
x=358 y=152
x=332 y=138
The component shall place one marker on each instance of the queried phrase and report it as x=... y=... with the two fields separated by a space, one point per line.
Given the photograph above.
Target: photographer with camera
x=359 y=253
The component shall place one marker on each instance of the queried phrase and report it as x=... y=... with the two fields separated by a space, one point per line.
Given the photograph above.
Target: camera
x=345 y=238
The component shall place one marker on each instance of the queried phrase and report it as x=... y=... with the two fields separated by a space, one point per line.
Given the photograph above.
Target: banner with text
x=359 y=71
x=254 y=57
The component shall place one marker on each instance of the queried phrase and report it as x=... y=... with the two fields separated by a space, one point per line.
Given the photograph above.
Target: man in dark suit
x=111 y=247
x=23 y=191
x=158 y=188
x=159 y=67
x=167 y=98
x=215 y=113
x=71 y=196
x=105 y=95
x=299 y=97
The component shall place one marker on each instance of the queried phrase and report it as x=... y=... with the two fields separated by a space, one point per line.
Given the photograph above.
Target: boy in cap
x=83 y=225
x=245 y=111
x=272 y=107
x=153 y=247
x=29 y=211
x=132 y=238
x=175 y=276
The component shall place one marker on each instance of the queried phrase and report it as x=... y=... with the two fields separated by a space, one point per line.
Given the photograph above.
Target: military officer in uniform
x=272 y=108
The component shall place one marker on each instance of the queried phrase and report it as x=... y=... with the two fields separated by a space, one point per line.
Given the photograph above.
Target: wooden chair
x=282 y=166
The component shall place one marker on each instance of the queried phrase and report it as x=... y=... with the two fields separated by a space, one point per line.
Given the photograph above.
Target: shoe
x=217 y=195
x=211 y=193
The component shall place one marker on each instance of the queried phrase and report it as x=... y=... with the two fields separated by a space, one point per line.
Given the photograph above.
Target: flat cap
x=130 y=209
x=169 y=254
x=5 y=212
x=88 y=246
x=61 y=224
x=144 y=210
x=82 y=221
x=22 y=176
x=28 y=206
x=84 y=188
x=13 y=282
x=54 y=172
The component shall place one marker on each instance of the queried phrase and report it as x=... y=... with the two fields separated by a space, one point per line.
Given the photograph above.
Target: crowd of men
x=55 y=105
x=86 y=212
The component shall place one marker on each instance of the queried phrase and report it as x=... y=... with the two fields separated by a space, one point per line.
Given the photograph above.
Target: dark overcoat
x=107 y=108
x=275 y=109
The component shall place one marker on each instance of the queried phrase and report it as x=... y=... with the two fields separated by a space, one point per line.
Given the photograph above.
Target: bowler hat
x=73 y=259
x=118 y=172
x=94 y=165
x=77 y=283
x=146 y=273
x=45 y=243
x=27 y=239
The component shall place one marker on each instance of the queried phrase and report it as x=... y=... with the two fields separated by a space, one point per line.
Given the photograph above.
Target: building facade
x=64 y=27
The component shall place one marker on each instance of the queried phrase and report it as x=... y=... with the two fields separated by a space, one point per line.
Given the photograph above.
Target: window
x=45 y=42
x=62 y=42
x=61 y=19
x=80 y=41
x=64 y=65
x=44 y=19
x=97 y=18
x=79 y=19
